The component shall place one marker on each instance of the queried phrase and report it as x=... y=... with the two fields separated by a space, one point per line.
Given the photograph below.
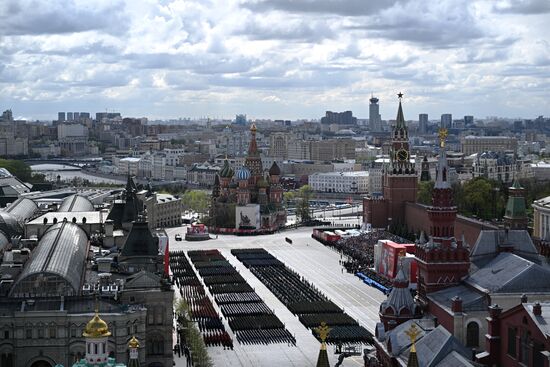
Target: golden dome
x=133 y=343
x=96 y=328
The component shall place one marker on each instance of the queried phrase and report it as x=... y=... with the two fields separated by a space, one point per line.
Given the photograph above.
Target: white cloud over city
x=274 y=58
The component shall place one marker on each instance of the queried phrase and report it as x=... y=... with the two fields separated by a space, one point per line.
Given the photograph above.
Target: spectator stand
x=359 y=255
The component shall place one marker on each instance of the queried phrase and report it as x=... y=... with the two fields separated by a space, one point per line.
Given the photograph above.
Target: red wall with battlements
x=416 y=217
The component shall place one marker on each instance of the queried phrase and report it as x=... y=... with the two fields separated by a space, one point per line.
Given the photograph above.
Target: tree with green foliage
x=481 y=197
x=534 y=190
x=302 y=203
x=196 y=200
x=289 y=197
x=193 y=337
x=18 y=168
x=425 y=190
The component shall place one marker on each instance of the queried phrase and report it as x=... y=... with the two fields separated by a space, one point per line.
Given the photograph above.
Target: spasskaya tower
x=399 y=180
x=400 y=177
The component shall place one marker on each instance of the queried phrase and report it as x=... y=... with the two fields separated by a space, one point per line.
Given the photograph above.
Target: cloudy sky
x=274 y=58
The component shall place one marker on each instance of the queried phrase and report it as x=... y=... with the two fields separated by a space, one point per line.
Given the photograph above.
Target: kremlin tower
x=515 y=216
x=442 y=260
x=399 y=306
x=399 y=181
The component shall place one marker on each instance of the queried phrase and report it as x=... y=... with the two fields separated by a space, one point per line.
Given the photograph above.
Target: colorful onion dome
x=226 y=170
x=242 y=173
x=274 y=170
x=262 y=183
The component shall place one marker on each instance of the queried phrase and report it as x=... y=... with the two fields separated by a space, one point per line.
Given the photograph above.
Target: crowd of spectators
x=359 y=250
x=357 y=253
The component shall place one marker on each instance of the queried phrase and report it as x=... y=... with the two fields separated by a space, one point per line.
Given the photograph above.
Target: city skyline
x=275 y=59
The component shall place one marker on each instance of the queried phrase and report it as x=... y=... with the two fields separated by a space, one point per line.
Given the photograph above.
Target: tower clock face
x=402 y=155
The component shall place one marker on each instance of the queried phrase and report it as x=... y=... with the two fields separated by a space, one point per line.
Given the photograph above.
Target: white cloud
x=176 y=58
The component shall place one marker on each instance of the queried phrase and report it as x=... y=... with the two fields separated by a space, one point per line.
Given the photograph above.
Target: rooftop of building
x=542 y=203
x=76 y=203
x=510 y=273
x=165 y=198
x=490 y=242
x=541 y=164
x=130 y=159
x=70 y=304
x=10 y=184
x=79 y=217
x=342 y=174
x=58 y=195
x=472 y=299
x=475 y=137
x=543 y=320
x=62 y=252
x=434 y=345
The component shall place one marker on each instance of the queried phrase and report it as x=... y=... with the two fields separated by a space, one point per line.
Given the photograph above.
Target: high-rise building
x=70 y=116
x=240 y=119
x=375 y=121
x=99 y=116
x=468 y=120
x=423 y=123
x=340 y=118
x=479 y=144
x=76 y=115
x=446 y=121
x=7 y=116
x=84 y=115
x=61 y=116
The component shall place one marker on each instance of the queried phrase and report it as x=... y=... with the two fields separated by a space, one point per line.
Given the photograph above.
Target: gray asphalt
x=319 y=265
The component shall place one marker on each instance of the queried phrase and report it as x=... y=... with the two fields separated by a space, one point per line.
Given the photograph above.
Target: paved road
x=319 y=265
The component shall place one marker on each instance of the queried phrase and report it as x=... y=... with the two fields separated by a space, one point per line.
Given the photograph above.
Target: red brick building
x=456 y=285
x=518 y=337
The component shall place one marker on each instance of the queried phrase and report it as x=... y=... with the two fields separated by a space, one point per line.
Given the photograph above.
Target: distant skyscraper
x=61 y=116
x=446 y=121
x=468 y=120
x=84 y=115
x=99 y=116
x=340 y=118
x=375 y=121
x=423 y=123
x=240 y=119
x=69 y=116
x=76 y=115
x=7 y=116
